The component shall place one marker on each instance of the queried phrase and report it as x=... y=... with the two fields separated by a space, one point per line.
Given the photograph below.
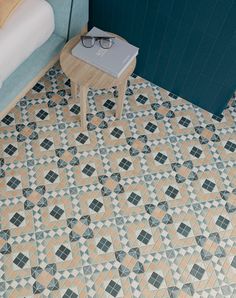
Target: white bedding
x=29 y=27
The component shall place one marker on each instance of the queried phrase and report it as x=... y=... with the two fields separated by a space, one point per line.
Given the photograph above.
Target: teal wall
x=186 y=46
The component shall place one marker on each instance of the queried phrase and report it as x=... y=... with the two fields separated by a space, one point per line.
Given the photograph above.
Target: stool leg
x=121 y=97
x=83 y=106
x=74 y=90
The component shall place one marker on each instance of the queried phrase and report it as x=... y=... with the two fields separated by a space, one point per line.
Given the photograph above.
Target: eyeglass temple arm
x=98 y=37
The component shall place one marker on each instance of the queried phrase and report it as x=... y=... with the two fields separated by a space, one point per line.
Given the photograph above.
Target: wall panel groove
x=186 y=46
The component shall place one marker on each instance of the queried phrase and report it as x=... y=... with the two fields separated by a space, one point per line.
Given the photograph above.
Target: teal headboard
x=79 y=16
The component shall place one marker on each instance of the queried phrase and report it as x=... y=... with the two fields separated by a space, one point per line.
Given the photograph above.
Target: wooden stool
x=87 y=76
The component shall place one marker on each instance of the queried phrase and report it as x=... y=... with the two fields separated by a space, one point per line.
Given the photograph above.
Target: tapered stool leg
x=121 y=97
x=83 y=106
x=74 y=90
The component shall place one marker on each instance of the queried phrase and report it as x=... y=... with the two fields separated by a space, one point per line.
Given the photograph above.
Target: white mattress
x=29 y=27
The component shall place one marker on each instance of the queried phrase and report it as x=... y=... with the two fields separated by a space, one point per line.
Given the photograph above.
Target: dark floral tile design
x=44 y=278
x=57 y=98
x=129 y=262
x=163 y=110
x=27 y=131
x=34 y=197
x=207 y=133
x=210 y=246
x=230 y=199
x=96 y=121
x=138 y=145
x=5 y=247
x=80 y=228
x=184 y=171
x=111 y=184
x=67 y=157
x=158 y=214
x=181 y=292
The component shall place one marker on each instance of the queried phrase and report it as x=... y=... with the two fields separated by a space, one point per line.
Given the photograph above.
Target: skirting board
x=31 y=84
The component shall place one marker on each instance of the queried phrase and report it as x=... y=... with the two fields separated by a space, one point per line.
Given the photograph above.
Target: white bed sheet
x=29 y=27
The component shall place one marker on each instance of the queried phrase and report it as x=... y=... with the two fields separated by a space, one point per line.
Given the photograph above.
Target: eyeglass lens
x=105 y=43
x=88 y=41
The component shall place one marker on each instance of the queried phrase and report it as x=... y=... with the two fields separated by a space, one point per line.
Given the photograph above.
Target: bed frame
x=71 y=18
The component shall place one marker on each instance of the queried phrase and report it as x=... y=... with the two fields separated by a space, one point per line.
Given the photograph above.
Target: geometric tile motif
x=17 y=219
x=210 y=246
x=158 y=214
x=57 y=212
x=111 y=184
x=138 y=145
x=34 y=197
x=46 y=144
x=5 y=247
x=67 y=157
x=230 y=198
x=155 y=280
x=138 y=207
x=21 y=260
x=51 y=176
x=44 y=279
x=184 y=229
x=96 y=121
x=184 y=171
x=10 y=150
x=56 y=98
x=13 y=183
x=2 y=172
x=163 y=110
x=144 y=237
x=7 y=120
x=129 y=262
x=207 y=134
x=113 y=288
x=80 y=228
x=26 y=131
x=197 y=271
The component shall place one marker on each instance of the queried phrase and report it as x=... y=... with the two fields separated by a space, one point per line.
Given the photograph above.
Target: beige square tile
x=62 y=208
x=116 y=133
x=97 y=206
x=70 y=257
x=160 y=158
x=18 y=220
x=83 y=140
x=18 y=178
x=12 y=271
x=51 y=171
x=133 y=200
x=126 y=165
x=88 y=170
x=179 y=190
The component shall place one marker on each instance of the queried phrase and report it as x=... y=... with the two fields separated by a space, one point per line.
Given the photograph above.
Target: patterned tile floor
x=139 y=207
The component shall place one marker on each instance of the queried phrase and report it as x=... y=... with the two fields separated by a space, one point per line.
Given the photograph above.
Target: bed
x=28 y=60
x=29 y=27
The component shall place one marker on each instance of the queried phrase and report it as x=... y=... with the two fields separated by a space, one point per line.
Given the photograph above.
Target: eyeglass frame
x=96 y=38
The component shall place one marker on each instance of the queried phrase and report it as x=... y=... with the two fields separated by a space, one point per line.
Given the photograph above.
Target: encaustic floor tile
x=138 y=207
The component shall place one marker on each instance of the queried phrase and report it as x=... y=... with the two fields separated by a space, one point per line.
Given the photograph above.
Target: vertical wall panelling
x=186 y=46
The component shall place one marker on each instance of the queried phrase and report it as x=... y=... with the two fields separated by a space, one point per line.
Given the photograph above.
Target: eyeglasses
x=105 y=42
